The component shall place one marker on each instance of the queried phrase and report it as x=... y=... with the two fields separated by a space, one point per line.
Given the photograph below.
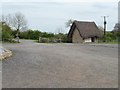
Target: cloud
x=119 y=12
x=59 y=1
x=48 y=16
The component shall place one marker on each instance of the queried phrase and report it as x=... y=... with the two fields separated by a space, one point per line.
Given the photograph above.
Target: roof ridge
x=85 y=21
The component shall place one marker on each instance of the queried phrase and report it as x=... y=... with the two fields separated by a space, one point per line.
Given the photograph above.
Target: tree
x=69 y=22
x=101 y=30
x=59 y=30
x=5 y=29
x=116 y=31
x=6 y=33
x=19 y=23
x=117 y=27
x=16 y=22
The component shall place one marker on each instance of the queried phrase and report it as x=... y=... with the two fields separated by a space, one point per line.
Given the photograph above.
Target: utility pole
x=105 y=22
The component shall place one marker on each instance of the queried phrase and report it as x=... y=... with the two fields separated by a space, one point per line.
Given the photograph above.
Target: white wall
x=88 y=40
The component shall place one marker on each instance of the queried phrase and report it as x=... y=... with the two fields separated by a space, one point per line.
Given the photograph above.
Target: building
x=81 y=32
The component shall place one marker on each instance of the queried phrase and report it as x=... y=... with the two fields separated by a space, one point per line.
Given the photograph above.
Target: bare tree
x=6 y=19
x=101 y=30
x=117 y=27
x=18 y=23
x=69 y=22
x=2 y=19
x=59 y=30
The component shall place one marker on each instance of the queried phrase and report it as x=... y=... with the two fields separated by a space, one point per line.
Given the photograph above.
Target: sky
x=51 y=15
x=119 y=12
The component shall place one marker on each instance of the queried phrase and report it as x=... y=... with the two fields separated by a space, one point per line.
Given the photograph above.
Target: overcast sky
x=49 y=15
x=119 y=12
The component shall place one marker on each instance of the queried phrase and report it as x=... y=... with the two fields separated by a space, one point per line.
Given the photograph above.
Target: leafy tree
x=36 y=34
x=6 y=33
x=0 y=31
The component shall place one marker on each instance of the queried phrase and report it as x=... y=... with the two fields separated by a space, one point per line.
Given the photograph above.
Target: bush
x=110 y=37
x=6 y=33
x=43 y=40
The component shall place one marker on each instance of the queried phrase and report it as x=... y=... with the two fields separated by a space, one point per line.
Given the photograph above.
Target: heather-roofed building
x=81 y=32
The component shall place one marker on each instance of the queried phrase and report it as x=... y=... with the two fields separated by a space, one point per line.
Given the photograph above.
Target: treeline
x=110 y=37
x=9 y=35
x=6 y=33
x=13 y=27
x=43 y=36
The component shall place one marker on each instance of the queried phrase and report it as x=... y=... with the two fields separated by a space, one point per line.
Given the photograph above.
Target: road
x=38 y=65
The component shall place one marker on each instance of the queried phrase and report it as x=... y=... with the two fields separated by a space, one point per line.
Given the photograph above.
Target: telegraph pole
x=105 y=22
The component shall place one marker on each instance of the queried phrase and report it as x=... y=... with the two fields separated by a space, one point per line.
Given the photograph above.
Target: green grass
x=35 y=41
x=5 y=42
x=108 y=42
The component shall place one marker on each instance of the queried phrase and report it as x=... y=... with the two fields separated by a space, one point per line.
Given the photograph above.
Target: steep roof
x=86 y=29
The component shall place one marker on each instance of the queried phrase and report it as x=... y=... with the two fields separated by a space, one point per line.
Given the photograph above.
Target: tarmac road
x=37 y=65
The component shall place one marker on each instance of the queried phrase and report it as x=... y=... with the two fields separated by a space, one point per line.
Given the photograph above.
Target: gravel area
x=38 y=65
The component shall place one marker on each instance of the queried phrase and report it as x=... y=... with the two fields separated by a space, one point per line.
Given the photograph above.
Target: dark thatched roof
x=86 y=29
